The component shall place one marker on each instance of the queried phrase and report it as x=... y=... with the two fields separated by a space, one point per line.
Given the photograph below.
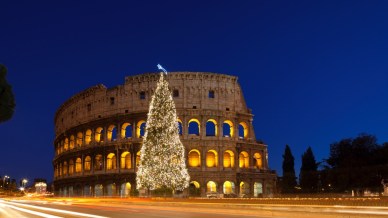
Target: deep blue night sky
x=313 y=72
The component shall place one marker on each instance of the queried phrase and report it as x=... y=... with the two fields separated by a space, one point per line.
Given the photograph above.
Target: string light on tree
x=162 y=156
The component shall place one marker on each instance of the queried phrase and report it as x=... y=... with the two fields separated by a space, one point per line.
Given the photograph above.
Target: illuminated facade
x=99 y=134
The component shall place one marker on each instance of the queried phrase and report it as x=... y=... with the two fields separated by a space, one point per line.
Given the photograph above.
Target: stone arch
x=211 y=186
x=99 y=134
x=244 y=159
x=227 y=127
x=194 y=188
x=243 y=130
x=194 y=126
x=65 y=168
x=140 y=128
x=78 y=165
x=228 y=160
x=244 y=189
x=258 y=189
x=125 y=162
x=87 y=163
x=80 y=137
x=228 y=187
x=211 y=158
x=72 y=142
x=111 y=161
x=194 y=158
x=126 y=130
x=111 y=133
x=98 y=190
x=180 y=126
x=71 y=167
x=98 y=162
x=258 y=161
x=88 y=136
x=111 y=189
x=211 y=127
x=125 y=190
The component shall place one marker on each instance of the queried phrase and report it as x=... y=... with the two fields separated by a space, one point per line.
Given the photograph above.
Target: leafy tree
x=162 y=156
x=308 y=178
x=7 y=100
x=289 y=178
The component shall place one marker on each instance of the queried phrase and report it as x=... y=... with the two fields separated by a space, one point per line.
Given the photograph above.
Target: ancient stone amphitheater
x=98 y=135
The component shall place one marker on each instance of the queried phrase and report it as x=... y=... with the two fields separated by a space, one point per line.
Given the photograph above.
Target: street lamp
x=24 y=183
x=5 y=177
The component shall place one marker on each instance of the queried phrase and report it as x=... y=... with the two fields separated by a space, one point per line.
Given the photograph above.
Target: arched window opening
x=194 y=127
x=65 y=168
x=60 y=170
x=140 y=128
x=66 y=145
x=125 y=162
x=72 y=139
x=258 y=162
x=88 y=136
x=99 y=190
x=125 y=189
x=180 y=127
x=71 y=167
x=111 y=189
x=99 y=135
x=244 y=160
x=111 y=134
x=126 y=130
x=228 y=187
x=242 y=130
x=194 y=189
x=78 y=165
x=228 y=159
x=211 y=187
x=258 y=189
x=194 y=158
x=98 y=162
x=111 y=161
x=227 y=128
x=79 y=139
x=88 y=163
x=137 y=158
x=211 y=158
x=244 y=189
x=211 y=128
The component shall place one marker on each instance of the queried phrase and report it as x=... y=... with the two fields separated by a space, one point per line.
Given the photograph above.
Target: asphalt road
x=95 y=209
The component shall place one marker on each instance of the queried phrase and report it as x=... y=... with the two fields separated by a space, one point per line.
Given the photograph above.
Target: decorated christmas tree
x=162 y=155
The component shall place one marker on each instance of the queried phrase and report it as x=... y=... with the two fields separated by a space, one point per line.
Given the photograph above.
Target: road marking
x=54 y=210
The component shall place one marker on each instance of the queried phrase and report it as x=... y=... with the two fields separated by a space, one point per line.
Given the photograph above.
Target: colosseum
x=98 y=135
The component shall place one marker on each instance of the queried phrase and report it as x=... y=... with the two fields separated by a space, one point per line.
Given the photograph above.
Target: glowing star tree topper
x=162 y=155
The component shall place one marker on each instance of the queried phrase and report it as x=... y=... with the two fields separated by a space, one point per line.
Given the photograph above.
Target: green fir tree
x=162 y=155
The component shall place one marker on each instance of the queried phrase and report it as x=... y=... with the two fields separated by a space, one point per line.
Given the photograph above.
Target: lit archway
x=88 y=163
x=257 y=189
x=66 y=145
x=126 y=130
x=71 y=167
x=88 y=136
x=194 y=188
x=211 y=186
x=244 y=160
x=125 y=162
x=228 y=187
x=228 y=159
x=244 y=188
x=227 y=128
x=111 y=161
x=194 y=158
x=211 y=158
x=258 y=160
x=65 y=168
x=98 y=134
x=78 y=165
x=242 y=130
x=125 y=190
x=111 y=134
x=98 y=162
x=79 y=140
x=140 y=128
x=211 y=127
x=194 y=127
x=72 y=139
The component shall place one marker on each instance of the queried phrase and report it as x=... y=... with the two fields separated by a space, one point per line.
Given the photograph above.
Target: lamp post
x=24 y=183
x=5 y=177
